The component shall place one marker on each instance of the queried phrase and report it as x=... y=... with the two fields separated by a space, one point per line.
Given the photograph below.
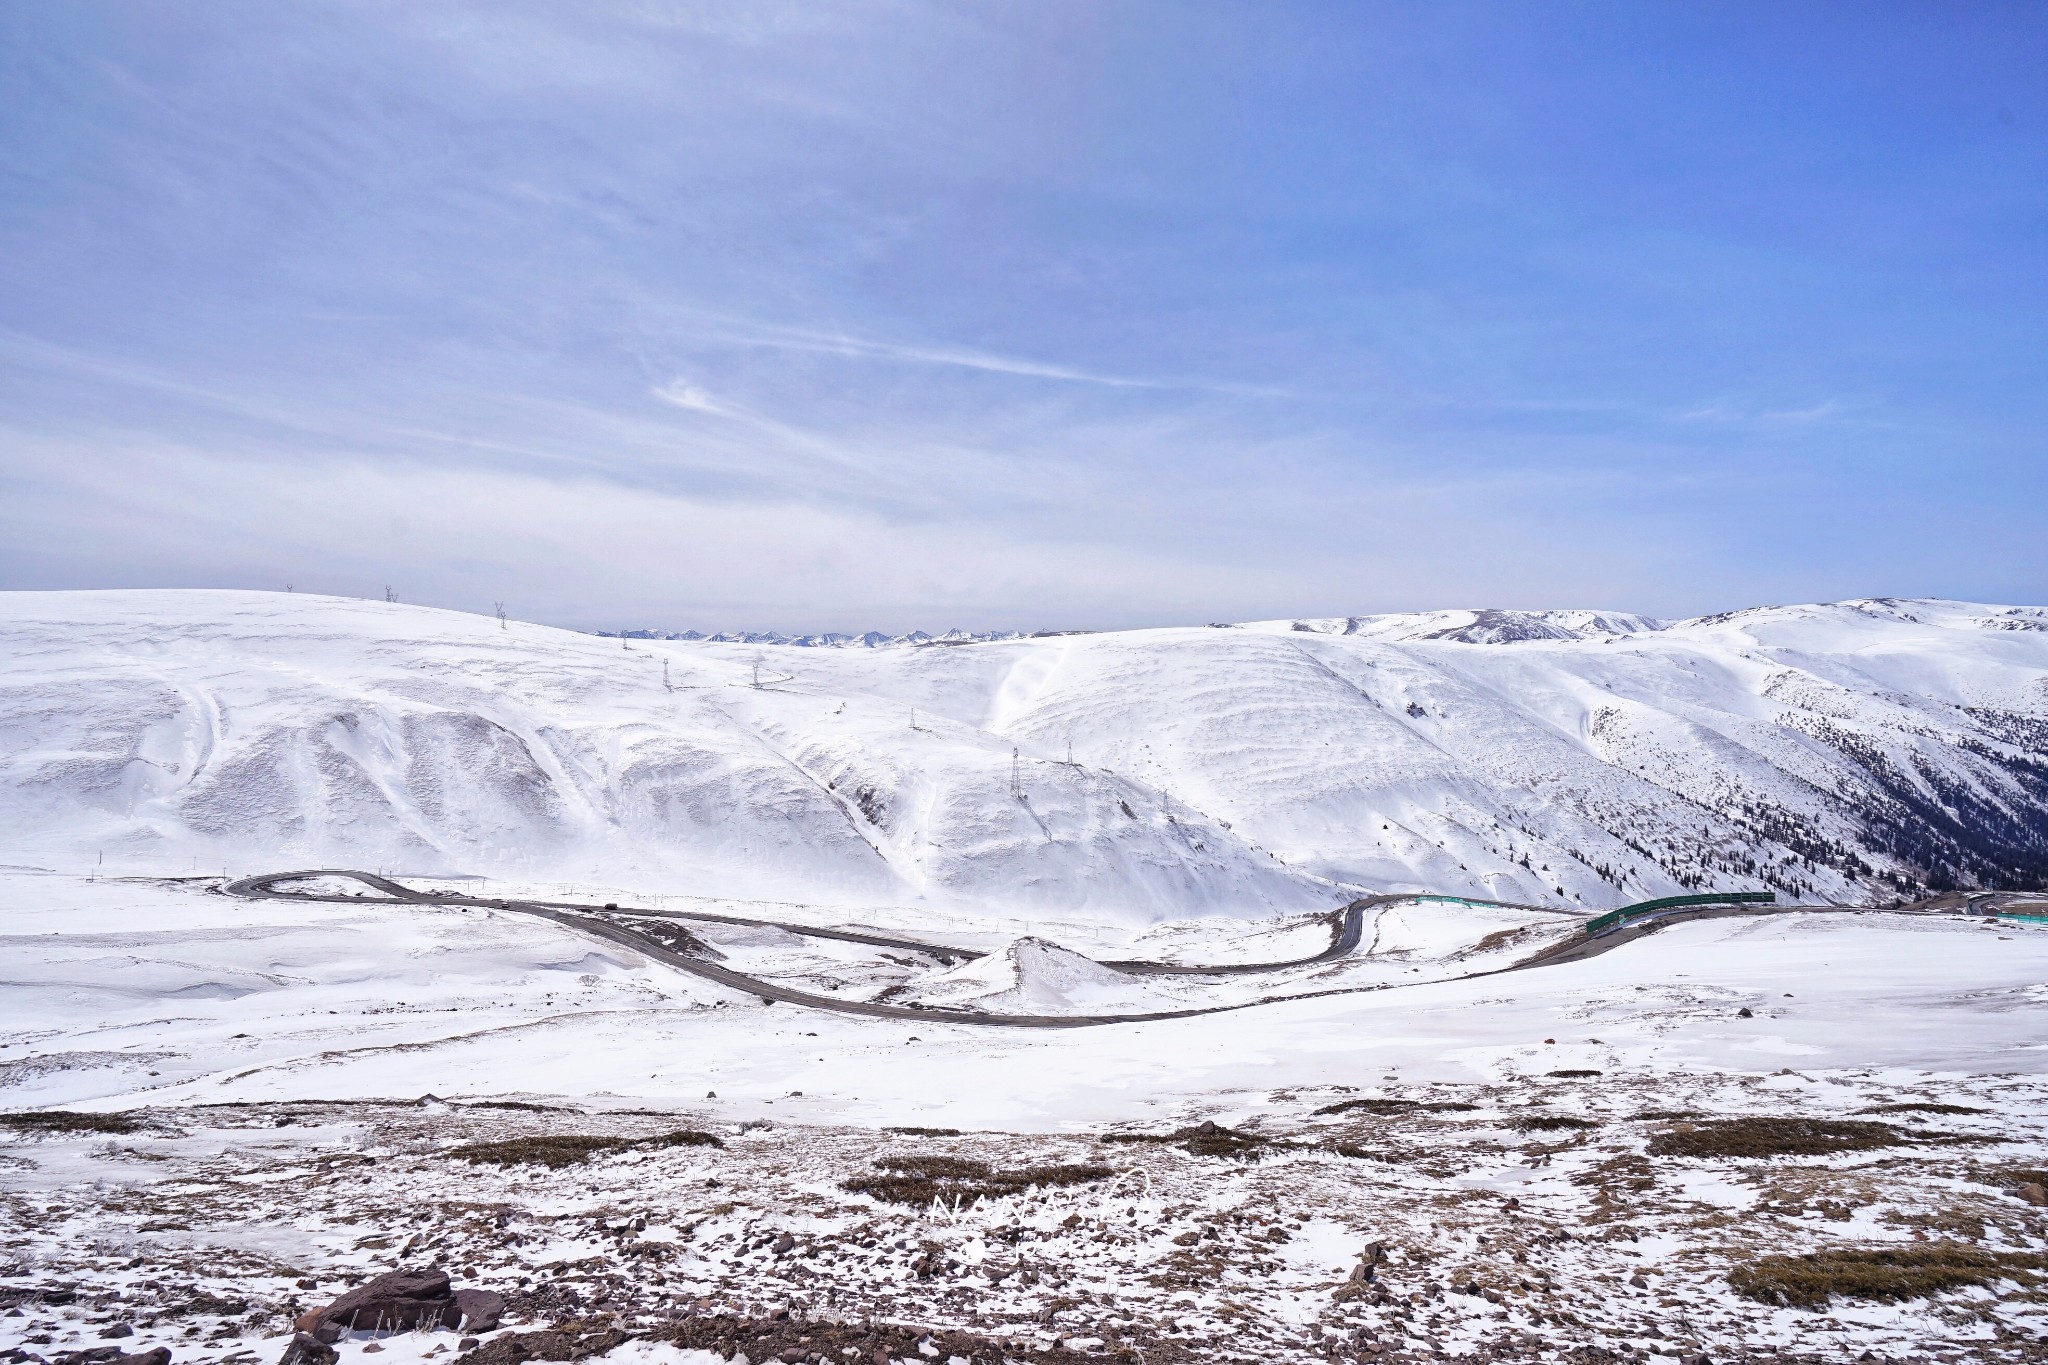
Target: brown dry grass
x=918 y=1179
x=1397 y=1107
x=1884 y=1273
x=1545 y=1123
x=556 y=1150
x=1760 y=1136
x=67 y=1121
x=1207 y=1138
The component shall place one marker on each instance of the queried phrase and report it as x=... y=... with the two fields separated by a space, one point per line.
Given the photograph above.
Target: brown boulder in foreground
x=400 y=1301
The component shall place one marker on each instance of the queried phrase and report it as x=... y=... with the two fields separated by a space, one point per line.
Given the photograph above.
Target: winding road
x=612 y=923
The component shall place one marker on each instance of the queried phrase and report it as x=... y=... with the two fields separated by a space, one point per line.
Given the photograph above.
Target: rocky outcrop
x=402 y=1301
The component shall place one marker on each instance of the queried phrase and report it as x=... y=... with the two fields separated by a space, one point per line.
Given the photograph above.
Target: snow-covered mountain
x=1850 y=750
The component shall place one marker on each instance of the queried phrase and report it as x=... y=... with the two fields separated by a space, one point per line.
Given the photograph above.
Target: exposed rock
x=401 y=1301
x=1365 y=1275
x=2032 y=1193
x=307 y=1349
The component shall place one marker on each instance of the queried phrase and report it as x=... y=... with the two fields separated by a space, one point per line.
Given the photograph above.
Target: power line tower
x=499 y=608
x=1016 y=776
x=665 y=685
x=389 y=595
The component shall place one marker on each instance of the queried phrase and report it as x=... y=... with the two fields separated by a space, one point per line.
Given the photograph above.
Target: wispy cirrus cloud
x=1363 y=308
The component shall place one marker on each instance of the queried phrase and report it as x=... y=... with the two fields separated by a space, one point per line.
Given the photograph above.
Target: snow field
x=1580 y=760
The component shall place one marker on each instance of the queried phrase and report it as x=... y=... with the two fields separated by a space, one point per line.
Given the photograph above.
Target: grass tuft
x=1774 y=1137
x=1207 y=1138
x=918 y=1180
x=556 y=1150
x=1887 y=1274
x=68 y=1121
x=1545 y=1123
x=1397 y=1107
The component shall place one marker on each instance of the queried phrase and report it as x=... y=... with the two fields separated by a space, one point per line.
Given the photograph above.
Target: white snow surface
x=127 y=993
x=1575 y=758
x=1033 y=976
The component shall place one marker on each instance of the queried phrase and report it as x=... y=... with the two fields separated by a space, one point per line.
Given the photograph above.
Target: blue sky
x=897 y=314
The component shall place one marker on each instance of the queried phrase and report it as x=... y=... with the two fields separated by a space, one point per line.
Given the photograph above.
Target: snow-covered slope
x=1583 y=758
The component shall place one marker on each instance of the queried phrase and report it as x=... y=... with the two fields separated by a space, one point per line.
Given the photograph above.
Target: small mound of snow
x=1035 y=976
x=323 y=884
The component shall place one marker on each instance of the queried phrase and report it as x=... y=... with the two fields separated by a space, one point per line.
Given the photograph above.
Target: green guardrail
x=1616 y=918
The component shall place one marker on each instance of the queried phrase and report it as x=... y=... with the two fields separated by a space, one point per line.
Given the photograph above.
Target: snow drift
x=1034 y=976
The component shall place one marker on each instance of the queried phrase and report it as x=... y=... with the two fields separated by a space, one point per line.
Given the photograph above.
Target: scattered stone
x=114 y=1355
x=2032 y=1193
x=569 y=1342
x=118 y=1329
x=1744 y=1013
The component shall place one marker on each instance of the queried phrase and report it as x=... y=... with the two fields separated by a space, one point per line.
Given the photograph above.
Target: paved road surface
x=611 y=922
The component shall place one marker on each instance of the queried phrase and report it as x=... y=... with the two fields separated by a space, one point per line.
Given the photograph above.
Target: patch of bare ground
x=1397 y=1106
x=920 y=1180
x=1882 y=1273
x=67 y=1121
x=1207 y=1138
x=1759 y=1136
x=572 y=1149
x=1551 y=1123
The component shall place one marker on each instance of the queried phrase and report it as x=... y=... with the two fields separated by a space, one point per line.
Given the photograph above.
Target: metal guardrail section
x=1615 y=919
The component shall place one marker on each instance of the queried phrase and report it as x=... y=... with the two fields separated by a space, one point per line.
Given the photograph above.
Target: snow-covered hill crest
x=1849 y=750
